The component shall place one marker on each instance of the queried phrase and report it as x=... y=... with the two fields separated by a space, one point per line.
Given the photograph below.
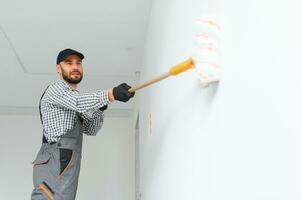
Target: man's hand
x=103 y=108
x=121 y=92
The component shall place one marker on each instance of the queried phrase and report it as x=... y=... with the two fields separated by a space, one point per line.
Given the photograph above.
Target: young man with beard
x=65 y=116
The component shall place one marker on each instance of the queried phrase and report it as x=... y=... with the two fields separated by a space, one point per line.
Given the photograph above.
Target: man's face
x=71 y=69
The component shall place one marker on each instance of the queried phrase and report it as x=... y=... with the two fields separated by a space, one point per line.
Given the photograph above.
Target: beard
x=71 y=80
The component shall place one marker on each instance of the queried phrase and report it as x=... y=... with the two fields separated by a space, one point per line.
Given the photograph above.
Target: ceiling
x=110 y=34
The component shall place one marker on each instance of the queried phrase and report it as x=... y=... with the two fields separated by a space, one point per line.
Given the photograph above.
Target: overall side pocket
x=66 y=158
x=40 y=168
x=41 y=159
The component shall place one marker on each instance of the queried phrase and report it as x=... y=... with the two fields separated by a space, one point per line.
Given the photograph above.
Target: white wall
x=107 y=167
x=236 y=140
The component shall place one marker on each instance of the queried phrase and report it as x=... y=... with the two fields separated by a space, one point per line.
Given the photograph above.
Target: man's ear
x=58 y=69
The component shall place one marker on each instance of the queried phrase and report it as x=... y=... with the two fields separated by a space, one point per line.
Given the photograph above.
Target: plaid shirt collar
x=67 y=85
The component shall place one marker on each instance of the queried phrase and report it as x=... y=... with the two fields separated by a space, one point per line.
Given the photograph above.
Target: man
x=66 y=115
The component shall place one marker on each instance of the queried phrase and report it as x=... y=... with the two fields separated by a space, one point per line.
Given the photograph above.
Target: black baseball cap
x=68 y=52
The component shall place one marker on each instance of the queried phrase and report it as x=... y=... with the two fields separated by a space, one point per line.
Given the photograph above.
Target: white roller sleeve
x=207 y=56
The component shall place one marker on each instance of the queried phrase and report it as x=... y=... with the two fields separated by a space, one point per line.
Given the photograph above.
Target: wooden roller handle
x=177 y=69
x=149 y=82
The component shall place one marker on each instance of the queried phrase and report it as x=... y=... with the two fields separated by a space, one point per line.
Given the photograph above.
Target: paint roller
x=206 y=60
x=175 y=70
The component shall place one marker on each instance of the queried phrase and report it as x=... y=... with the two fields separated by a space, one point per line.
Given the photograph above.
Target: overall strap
x=44 y=138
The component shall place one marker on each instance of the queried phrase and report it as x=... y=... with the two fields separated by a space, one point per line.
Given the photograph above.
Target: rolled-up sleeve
x=92 y=124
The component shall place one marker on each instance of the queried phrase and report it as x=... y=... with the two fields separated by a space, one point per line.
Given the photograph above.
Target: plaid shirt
x=60 y=106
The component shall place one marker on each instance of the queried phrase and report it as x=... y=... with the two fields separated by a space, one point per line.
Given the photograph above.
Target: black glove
x=121 y=92
x=103 y=108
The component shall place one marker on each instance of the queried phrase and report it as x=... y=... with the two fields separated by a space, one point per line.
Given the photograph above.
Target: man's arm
x=63 y=96
x=93 y=121
x=92 y=124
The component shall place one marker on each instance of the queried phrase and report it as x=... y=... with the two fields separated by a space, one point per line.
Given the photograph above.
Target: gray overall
x=52 y=180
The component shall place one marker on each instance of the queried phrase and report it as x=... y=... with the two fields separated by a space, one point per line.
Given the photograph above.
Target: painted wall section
x=239 y=139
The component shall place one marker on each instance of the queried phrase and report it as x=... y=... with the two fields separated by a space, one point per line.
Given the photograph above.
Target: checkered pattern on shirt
x=61 y=104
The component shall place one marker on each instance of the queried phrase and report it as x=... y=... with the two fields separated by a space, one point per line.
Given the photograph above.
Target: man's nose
x=75 y=66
